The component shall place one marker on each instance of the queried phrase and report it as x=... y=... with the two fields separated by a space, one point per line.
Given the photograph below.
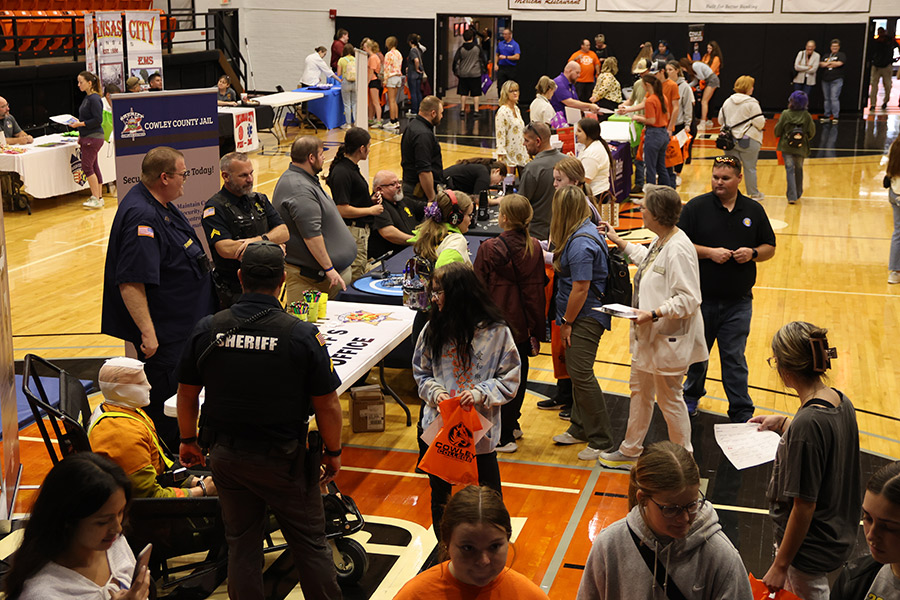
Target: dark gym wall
x=380 y=29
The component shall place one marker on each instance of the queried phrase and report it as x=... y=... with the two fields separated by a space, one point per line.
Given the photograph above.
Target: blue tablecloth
x=330 y=109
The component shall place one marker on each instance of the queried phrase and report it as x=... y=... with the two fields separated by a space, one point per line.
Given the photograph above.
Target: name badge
x=659 y=269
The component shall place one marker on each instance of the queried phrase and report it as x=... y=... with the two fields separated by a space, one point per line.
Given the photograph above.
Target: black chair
x=175 y=526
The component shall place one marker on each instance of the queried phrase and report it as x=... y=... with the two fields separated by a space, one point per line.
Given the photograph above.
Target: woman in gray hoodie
x=673 y=530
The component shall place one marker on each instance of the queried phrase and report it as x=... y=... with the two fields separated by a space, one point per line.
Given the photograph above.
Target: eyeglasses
x=393 y=184
x=674 y=510
x=773 y=362
x=184 y=174
x=437 y=294
x=726 y=160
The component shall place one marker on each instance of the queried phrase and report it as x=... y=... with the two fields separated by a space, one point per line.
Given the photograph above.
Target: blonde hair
x=518 y=212
x=663 y=467
x=800 y=346
x=569 y=212
x=573 y=169
x=508 y=88
x=374 y=46
x=545 y=84
x=744 y=84
x=431 y=232
x=610 y=65
x=391 y=42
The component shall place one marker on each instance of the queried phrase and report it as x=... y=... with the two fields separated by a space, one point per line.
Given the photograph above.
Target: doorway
x=450 y=31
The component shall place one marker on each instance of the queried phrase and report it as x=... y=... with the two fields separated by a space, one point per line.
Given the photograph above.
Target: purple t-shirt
x=564 y=90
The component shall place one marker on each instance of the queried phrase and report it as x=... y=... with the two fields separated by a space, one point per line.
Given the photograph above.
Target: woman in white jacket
x=748 y=134
x=806 y=65
x=667 y=335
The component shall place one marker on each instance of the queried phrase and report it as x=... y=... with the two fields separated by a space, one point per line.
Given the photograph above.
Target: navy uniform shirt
x=405 y=215
x=708 y=223
x=420 y=152
x=307 y=372
x=219 y=223
x=155 y=245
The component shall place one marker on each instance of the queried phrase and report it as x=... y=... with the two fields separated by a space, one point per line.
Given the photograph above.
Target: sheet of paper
x=745 y=446
x=682 y=137
x=618 y=310
x=63 y=119
x=573 y=115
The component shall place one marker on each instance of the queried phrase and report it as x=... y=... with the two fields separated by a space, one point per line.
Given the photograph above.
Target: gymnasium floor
x=830 y=268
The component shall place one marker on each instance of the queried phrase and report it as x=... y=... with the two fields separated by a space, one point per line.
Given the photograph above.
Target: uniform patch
x=747 y=222
x=145 y=231
x=321 y=338
x=188 y=244
x=209 y=212
x=214 y=233
x=407 y=211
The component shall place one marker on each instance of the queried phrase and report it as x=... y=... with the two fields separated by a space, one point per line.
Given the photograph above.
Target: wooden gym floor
x=830 y=268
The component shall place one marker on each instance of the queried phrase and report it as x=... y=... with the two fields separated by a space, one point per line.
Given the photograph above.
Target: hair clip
x=433 y=212
x=821 y=354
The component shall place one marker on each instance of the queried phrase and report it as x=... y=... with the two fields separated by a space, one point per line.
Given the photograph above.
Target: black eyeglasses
x=184 y=174
x=727 y=160
x=674 y=510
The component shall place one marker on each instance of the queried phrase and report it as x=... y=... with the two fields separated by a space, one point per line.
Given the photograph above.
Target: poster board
x=144 y=39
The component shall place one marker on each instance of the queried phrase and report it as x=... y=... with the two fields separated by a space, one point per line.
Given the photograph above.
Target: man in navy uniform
x=264 y=370
x=157 y=283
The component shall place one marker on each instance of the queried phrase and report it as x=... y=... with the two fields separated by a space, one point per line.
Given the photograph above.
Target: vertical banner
x=90 y=45
x=185 y=120
x=110 y=54
x=8 y=410
x=142 y=30
x=245 y=137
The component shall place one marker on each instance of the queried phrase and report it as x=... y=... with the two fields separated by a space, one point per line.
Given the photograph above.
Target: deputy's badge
x=209 y=212
x=145 y=231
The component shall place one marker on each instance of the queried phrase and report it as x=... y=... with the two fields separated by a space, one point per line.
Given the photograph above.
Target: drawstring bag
x=416 y=276
x=451 y=456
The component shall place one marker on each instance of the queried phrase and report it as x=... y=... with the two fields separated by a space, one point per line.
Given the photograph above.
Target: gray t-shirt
x=818 y=460
x=309 y=212
x=10 y=126
x=537 y=186
x=886 y=586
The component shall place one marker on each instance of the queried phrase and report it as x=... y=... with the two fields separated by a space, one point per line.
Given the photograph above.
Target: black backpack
x=618 y=278
x=796 y=137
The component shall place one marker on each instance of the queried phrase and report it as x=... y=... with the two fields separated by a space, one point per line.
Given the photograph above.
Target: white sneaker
x=709 y=124
x=589 y=454
x=391 y=127
x=345 y=126
x=567 y=439
x=517 y=433
x=616 y=460
x=677 y=180
x=759 y=197
x=507 y=448
x=93 y=203
x=894 y=277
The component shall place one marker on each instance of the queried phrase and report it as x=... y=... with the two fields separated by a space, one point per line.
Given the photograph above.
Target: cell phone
x=143 y=560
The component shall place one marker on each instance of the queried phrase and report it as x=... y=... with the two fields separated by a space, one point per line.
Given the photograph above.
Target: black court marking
x=573 y=566
x=610 y=495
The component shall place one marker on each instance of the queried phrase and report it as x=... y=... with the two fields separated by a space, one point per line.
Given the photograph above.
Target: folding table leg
x=386 y=388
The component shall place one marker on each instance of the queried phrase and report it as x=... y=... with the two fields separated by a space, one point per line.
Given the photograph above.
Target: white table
x=358 y=337
x=49 y=172
x=281 y=101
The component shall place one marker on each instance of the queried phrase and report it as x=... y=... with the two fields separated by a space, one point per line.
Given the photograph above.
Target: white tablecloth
x=287 y=98
x=50 y=172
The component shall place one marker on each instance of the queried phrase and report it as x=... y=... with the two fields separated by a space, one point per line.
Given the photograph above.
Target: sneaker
x=550 y=404
x=759 y=197
x=391 y=127
x=701 y=126
x=710 y=124
x=894 y=277
x=517 y=434
x=93 y=203
x=567 y=439
x=566 y=414
x=677 y=180
x=589 y=454
x=884 y=106
x=791 y=201
x=345 y=126
x=615 y=460
x=373 y=124
x=834 y=119
x=507 y=448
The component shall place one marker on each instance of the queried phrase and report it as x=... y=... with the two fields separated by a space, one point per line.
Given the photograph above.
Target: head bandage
x=123 y=382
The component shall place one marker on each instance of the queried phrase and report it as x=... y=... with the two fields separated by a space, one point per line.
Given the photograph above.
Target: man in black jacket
x=469 y=65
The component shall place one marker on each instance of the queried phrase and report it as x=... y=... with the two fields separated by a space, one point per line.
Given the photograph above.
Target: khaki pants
x=296 y=284
x=359 y=266
x=884 y=74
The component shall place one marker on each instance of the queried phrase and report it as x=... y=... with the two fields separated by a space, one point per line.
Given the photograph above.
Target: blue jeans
x=793 y=167
x=802 y=87
x=639 y=173
x=832 y=91
x=728 y=322
x=894 y=264
x=348 y=95
x=655 y=141
x=415 y=92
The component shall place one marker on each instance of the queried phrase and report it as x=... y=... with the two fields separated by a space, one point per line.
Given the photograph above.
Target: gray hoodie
x=704 y=565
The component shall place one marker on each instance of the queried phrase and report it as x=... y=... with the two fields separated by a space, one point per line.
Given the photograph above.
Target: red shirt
x=653 y=112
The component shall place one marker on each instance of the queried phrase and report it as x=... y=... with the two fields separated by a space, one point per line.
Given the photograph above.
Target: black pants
x=584 y=90
x=512 y=410
x=504 y=74
x=160 y=371
x=247 y=483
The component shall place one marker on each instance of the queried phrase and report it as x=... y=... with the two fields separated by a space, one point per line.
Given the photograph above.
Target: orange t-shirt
x=374 y=66
x=438 y=582
x=588 y=61
x=670 y=92
x=653 y=112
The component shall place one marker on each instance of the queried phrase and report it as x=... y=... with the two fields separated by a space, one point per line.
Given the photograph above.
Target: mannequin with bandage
x=122 y=431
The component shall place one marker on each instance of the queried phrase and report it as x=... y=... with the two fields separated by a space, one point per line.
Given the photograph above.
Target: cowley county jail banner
x=185 y=120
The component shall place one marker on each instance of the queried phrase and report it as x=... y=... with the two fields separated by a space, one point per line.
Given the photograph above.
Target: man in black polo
x=731 y=233
x=265 y=372
x=420 y=152
x=234 y=218
x=394 y=227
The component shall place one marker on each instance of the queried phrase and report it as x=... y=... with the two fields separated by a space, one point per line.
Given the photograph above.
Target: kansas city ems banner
x=90 y=47
x=110 y=55
x=142 y=31
x=185 y=120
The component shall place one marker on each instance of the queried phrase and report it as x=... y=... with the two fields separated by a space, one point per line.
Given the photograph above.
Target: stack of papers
x=745 y=446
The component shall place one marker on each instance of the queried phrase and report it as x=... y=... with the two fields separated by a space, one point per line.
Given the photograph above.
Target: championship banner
x=110 y=52
x=90 y=45
x=245 y=137
x=186 y=120
x=142 y=30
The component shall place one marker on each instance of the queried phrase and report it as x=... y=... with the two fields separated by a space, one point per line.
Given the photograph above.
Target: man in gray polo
x=10 y=127
x=321 y=248
x=537 y=181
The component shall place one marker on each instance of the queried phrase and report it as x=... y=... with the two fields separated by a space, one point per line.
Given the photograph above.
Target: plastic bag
x=761 y=592
x=452 y=455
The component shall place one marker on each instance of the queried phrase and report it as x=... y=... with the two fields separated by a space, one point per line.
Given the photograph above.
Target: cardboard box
x=366 y=409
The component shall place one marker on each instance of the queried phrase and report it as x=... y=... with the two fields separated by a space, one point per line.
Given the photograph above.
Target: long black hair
x=467 y=307
x=354 y=139
x=74 y=489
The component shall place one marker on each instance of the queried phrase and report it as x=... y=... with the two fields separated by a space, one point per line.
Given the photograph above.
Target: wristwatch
x=654 y=316
x=755 y=253
x=563 y=320
x=265 y=237
x=332 y=452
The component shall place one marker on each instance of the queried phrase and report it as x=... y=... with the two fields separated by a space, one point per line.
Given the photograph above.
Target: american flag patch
x=321 y=338
x=145 y=231
x=209 y=212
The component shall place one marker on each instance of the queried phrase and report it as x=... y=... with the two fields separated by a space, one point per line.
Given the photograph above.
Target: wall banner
x=142 y=32
x=110 y=51
x=826 y=6
x=636 y=5
x=186 y=120
x=732 y=6
x=547 y=4
x=90 y=44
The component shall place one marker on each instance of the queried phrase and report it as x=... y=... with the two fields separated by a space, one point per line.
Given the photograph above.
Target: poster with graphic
x=246 y=139
x=110 y=51
x=185 y=120
x=90 y=46
x=144 y=39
